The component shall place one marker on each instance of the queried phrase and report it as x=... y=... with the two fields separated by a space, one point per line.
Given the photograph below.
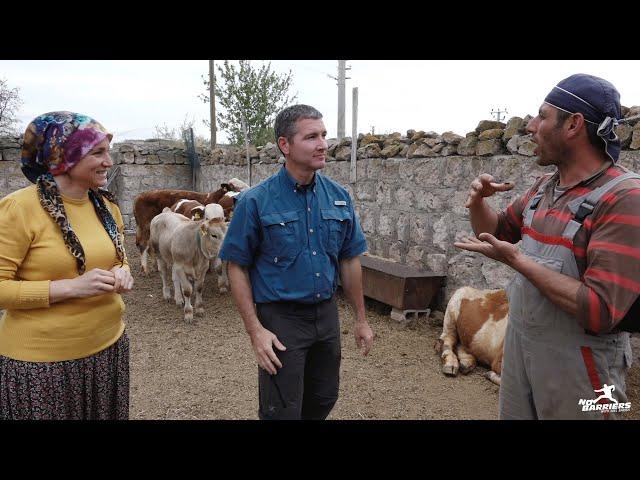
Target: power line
x=497 y=113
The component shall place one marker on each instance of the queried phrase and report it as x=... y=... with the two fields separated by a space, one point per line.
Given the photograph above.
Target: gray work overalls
x=550 y=363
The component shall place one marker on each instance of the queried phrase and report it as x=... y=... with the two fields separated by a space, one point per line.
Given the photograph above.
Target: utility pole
x=497 y=113
x=342 y=71
x=212 y=98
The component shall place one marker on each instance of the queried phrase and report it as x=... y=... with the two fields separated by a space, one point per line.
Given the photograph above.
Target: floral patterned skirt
x=91 y=388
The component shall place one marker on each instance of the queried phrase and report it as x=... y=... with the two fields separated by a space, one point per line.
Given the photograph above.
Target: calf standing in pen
x=187 y=247
x=211 y=211
x=151 y=203
x=478 y=319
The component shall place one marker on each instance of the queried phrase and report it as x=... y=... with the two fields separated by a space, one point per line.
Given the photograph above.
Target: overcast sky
x=131 y=97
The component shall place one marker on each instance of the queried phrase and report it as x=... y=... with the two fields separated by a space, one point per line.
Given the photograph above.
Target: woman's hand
x=89 y=284
x=124 y=280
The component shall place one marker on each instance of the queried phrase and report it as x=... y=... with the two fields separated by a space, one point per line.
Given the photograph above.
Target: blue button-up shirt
x=291 y=238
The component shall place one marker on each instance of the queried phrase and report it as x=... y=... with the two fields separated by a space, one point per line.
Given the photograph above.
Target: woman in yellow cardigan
x=63 y=350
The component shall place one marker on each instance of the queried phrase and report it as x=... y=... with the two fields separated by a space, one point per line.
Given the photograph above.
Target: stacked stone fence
x=409 y=193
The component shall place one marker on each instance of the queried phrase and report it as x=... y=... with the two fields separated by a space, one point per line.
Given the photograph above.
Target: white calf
x=188 y=248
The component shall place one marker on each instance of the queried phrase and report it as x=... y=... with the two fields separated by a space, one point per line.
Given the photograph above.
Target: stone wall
x=11 y=178
x=409 y=194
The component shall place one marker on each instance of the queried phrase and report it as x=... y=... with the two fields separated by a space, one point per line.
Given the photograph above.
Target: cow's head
x=238 y=185
x=212 y=232
x=213 y=210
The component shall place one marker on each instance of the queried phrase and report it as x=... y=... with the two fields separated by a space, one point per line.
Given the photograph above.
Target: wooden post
x=212 y=99
x=354 y=136
x=246 y=145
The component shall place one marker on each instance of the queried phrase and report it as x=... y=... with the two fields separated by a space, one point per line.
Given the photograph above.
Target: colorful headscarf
x=53 y=144
x=56 y=141
x=596 y=99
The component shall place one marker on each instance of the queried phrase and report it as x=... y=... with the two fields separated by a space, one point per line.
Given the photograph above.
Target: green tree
x=164 y=132
x=255 y=94
x=10 y=103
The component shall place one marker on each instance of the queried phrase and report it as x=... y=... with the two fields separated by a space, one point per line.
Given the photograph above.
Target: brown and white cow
x=186 y=248
x=238 y=185
x=211 y=211
x=149 y=204
x=228 y=200
x=192 y=209
x=473 y=330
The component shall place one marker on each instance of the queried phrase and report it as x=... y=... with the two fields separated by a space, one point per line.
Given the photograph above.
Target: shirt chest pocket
x=335 y=222
x=282 y=231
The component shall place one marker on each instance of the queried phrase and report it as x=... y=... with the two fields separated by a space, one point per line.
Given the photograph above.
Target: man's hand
x=491 y=247
x=123 y=280
x=364 y=336
x=485 y=186
x=262 y=342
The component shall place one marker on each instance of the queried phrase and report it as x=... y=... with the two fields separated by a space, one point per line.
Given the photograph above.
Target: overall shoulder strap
x=531 y=206
x=584 y=205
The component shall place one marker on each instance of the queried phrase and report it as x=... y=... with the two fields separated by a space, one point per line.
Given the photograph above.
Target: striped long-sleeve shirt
x=606 y=248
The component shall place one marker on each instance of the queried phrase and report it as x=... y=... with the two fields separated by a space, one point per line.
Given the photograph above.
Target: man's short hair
x=285 y=124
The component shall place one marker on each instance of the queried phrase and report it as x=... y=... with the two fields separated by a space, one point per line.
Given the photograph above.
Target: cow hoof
x=493 y=376
x=199 y=312
x=466 y=369
x=223 y=290
x=450 y=370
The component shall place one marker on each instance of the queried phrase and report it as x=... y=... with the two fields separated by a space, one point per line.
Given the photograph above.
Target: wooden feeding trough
x=406 y=289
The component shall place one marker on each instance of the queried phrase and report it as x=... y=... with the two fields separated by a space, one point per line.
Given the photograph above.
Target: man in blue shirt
x=289 y=238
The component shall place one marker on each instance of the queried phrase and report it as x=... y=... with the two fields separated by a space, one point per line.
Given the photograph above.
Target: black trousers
x=306 y=387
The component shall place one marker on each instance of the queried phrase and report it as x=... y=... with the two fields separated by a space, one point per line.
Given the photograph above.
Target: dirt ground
x=207 y=370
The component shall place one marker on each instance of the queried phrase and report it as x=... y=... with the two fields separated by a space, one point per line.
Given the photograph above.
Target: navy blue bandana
x=596 y=99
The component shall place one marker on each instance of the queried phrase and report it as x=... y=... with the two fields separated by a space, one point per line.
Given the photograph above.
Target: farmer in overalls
x=572 y=301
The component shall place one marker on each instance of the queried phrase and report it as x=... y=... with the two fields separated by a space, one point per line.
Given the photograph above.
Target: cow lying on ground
x=185 y=247
x=478 y=319
x=149 y=204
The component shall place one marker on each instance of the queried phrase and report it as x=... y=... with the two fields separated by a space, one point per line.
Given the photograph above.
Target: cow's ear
x=226 y=187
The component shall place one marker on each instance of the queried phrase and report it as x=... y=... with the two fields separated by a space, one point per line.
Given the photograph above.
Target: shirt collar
x=292 y=183
x=556 y=177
